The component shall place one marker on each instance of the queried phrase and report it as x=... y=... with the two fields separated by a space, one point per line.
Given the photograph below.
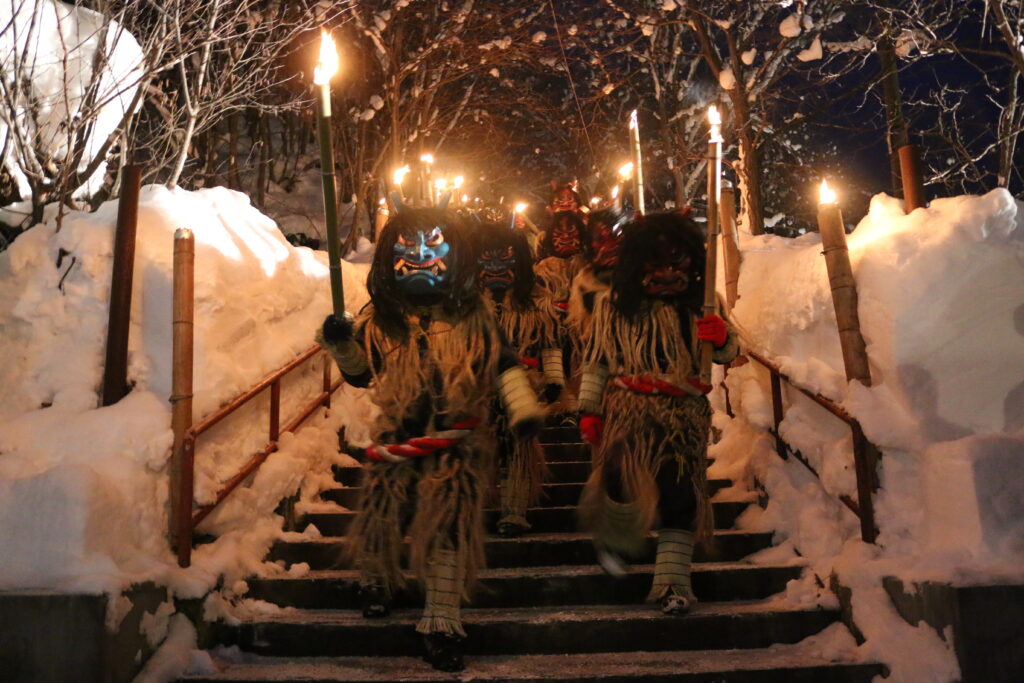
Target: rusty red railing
x=865 y=454
x=186 y=515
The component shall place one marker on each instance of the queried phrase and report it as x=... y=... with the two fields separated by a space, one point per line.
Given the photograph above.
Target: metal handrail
x=865 y=454
x=190 y=517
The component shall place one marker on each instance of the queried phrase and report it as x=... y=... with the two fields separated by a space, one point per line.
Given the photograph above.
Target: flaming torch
x=638 y=164
x=326 y=67
x=711 y=270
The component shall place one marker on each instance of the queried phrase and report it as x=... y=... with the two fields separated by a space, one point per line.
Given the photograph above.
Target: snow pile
x=942 y=311
x=83 y=489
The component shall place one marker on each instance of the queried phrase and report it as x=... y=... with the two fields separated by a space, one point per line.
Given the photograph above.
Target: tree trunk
x=897 y=134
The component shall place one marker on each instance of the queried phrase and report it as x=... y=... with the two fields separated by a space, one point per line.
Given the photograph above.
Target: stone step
x=536 y=586
x=533 y=630
x=779 y=664
x=559 y=473
x=566 y=452
x=542 y=519
x=531 y=550
x=554 y=495
x=560 y=435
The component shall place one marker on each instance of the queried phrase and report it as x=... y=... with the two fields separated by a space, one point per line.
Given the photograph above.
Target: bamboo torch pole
x=181 y=392
x=730 y=246
x=326 y=67
x=711 y=270
x=638 y=164
x=844 y=287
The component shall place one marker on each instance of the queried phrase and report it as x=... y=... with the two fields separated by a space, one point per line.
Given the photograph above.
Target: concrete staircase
x=544 y=611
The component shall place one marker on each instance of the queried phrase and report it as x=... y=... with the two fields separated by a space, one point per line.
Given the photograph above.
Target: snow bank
x=83 y=489
x=942 y=311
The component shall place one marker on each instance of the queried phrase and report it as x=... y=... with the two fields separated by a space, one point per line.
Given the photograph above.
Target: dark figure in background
x=644 y=410
x=433 y=356
x=506 y=276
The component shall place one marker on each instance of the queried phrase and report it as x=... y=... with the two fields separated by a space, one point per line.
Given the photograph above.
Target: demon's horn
x=396 y=201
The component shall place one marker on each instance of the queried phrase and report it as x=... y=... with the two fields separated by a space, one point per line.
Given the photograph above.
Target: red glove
x=591 y=427
x=713 y=329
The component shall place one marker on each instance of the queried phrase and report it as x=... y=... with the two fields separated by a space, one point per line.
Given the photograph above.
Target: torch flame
x=327 y=64
x=457 y=183
x=441 y=184
x=715 y=119
x=465 y=198
x=632 y=120
x=826 y=195
x=615 y=192
x=626 y=170
x=594 y=201
x=520 y=207
x=427 y=158
x=400 y=174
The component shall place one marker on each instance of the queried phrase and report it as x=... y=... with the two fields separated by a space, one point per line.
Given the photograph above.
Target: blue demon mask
x=497 y=268
x=421 y=262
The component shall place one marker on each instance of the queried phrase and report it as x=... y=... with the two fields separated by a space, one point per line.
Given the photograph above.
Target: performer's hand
x=713 y=329
x=338 y=329
x=552 y=391
x=591 y=427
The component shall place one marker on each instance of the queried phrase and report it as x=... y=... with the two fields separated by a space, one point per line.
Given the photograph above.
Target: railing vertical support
x=115 y=367
x=328 y=362
x=182 y=457
x=730 y=247
x=275 y=411
x=865 y=463
x=777 y=414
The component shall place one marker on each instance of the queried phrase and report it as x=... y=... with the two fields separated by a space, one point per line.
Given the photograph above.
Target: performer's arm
x=592 y=385
x=552 y=365
x=723 y=337
x=338 y=336
x=525 y=415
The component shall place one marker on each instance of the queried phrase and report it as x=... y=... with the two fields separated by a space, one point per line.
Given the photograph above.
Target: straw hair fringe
x=374 y=542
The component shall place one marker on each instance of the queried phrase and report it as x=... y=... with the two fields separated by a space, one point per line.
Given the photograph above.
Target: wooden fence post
x=731 y=248
x=181 y=395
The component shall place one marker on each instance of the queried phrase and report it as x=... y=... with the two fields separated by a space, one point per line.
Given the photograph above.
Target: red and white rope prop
x=420 y=446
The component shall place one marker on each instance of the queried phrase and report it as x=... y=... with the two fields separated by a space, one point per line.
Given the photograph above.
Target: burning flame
x=427 y=158
x=826 y=195
x=626 y=170
x=715 y=119
x=594 y=201
x=457 y=183
x=441 y=184
x=327 y=64
x=465 y=198
x=615 y=192
x=400 y=174
x=632 y=120
x=520 y=207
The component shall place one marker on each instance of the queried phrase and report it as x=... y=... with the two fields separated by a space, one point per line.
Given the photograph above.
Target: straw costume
x=506 y=278
x=643 y=409
x=434 y=357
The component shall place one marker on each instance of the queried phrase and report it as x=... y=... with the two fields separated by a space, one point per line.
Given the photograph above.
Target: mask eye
x=508 y=254
x=436 y=238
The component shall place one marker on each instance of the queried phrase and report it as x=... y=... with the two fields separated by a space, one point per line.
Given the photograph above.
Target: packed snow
x=941 y=306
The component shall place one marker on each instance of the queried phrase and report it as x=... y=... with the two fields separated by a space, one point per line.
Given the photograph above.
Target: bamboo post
x=181 y=393
x=325 y=69
x=115 y=368
x=730 y=246
x=638 y=163
x=913 y=180
x=844 y=287
x=711 y=269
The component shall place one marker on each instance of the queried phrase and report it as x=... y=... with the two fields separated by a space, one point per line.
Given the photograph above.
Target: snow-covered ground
x=942 y=311
x=83 y=490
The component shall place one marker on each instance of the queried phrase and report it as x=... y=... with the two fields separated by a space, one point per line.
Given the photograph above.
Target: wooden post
x=181 y=394
x=913 y=180
x=844 y=290
x=115 y=368
x=730 y=246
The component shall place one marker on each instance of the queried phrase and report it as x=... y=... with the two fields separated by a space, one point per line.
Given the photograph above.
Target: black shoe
x=443 y=651
x=676 y=604
x=511 y=529
x=376 y=602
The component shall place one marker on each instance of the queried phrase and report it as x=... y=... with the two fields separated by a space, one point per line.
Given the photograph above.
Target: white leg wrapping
x=443 y=596
x=553 y=367
x=672 y=564
x=592 y=384
x=518 y=397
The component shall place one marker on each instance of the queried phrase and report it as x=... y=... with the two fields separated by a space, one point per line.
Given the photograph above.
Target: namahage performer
x=643 y=408
x=506 y=277
x=434 y=357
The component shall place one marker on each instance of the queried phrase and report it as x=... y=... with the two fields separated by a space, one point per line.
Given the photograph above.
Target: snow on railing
x=185 y=516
